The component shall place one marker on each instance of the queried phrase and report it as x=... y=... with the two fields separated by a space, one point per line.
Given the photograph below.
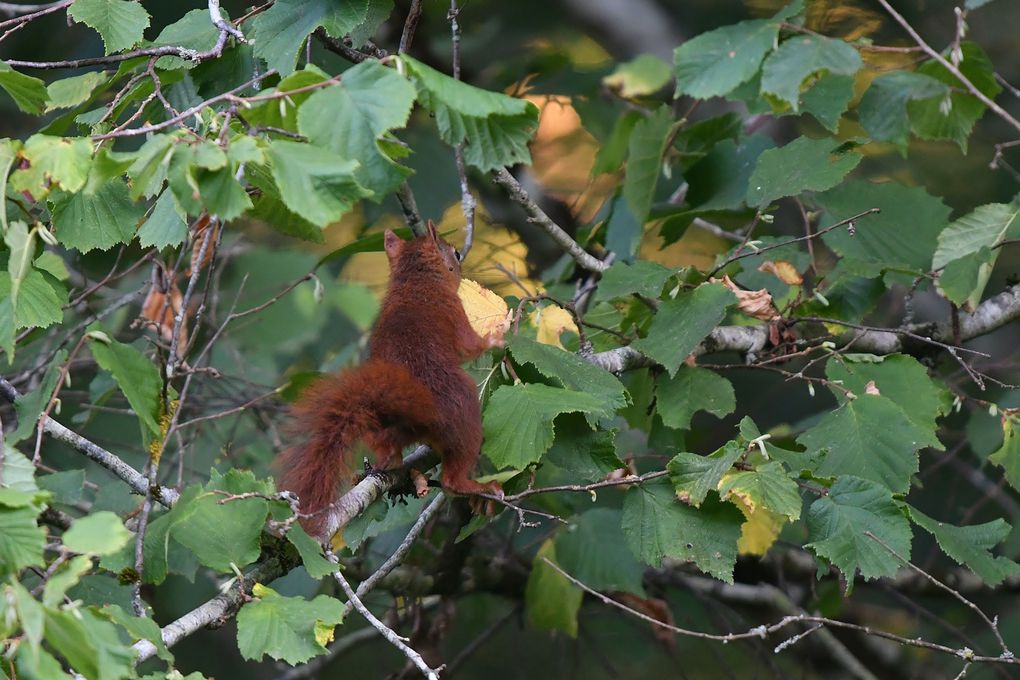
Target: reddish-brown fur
x=412 y=387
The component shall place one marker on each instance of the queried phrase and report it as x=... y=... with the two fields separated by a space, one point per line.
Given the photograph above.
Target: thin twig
x=399 y=642
x=410 y=25
x=538 y=216
x=942 y=586
x=758 y=251
x=467 y=200
x=949 y=66
x=398 y=555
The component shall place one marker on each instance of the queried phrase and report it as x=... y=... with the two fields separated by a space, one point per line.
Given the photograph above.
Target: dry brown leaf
x=754 y=303
x=782 y=270
x=198 y=231
x=487 y=312
x=162 y=303
x=653 y=608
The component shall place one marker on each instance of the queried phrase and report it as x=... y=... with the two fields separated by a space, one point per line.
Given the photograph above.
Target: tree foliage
x=755 y=379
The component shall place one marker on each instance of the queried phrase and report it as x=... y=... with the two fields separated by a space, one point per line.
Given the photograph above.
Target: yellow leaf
x=487 y=312
x=551 y=322
x=324 y=633
x=782 y=270
x=761 y=526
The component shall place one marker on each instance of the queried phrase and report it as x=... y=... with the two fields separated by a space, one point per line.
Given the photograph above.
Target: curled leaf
x=782 y=270
x=754 y=303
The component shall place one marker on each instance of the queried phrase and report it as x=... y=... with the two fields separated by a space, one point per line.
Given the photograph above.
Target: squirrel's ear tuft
x=430 y=229
x=392 y=243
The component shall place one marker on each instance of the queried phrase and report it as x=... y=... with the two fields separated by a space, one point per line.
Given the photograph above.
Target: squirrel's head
x=428 y=252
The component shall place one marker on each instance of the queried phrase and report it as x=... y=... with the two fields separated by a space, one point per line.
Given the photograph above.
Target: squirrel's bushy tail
x=332 y=415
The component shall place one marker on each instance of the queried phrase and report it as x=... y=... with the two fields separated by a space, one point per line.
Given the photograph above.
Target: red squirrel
x=411 y=389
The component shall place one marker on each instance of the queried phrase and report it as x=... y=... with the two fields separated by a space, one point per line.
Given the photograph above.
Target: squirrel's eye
x=456 y=253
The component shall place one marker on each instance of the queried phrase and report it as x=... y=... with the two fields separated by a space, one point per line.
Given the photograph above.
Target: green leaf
x=647 y=144
x=977 y=233
x=550 y=600
x=495 y=128
x=657 y=525
x=351 y=118
x=962 y=280
x=317 y=184
x=52 y=264
x=139 y=628
x=952 y=116
x=682 y=323
x=291 y=629
x=518 y=421
x=719 y=180
x=828 y=98
x=66 y=485
x=165 y=226
x=903 y=234
x=39 y=304
x=872 y=437
x=594 y=551
x=90 y=644
x=101 y=220
x=715 y=63
x=70 y=92
x=27 y=92
x=100 y=533
x=137 y=378
x=581 y=451
x=804 y=164
x=31 y=404
x=149 y=169
x=689 y=390
x=801 y=56
x=65 y=577
x=838 y=521
x=21 y=539
x=222 y=535
x=613 y=151
x=693 y=476
x=768 y=486
x=120 y=23
x=279 y=33
x=883 y=108
x=1008 y=455
x=898 y=377
x=971 y=546
x=21 y=246
x=8 y=324
x=222 y=194
x=193 y=31
x=572 y=373
x=644 y=75
x=310 y=550
x=61 y=160
x=643 y=277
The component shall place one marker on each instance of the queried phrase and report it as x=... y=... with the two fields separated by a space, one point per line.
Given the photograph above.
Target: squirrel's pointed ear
x=430 y=228
x=392 y=243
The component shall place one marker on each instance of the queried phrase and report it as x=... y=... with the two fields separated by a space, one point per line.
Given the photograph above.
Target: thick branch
x=136 y=480
x=993 y=313
x=217 y=609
